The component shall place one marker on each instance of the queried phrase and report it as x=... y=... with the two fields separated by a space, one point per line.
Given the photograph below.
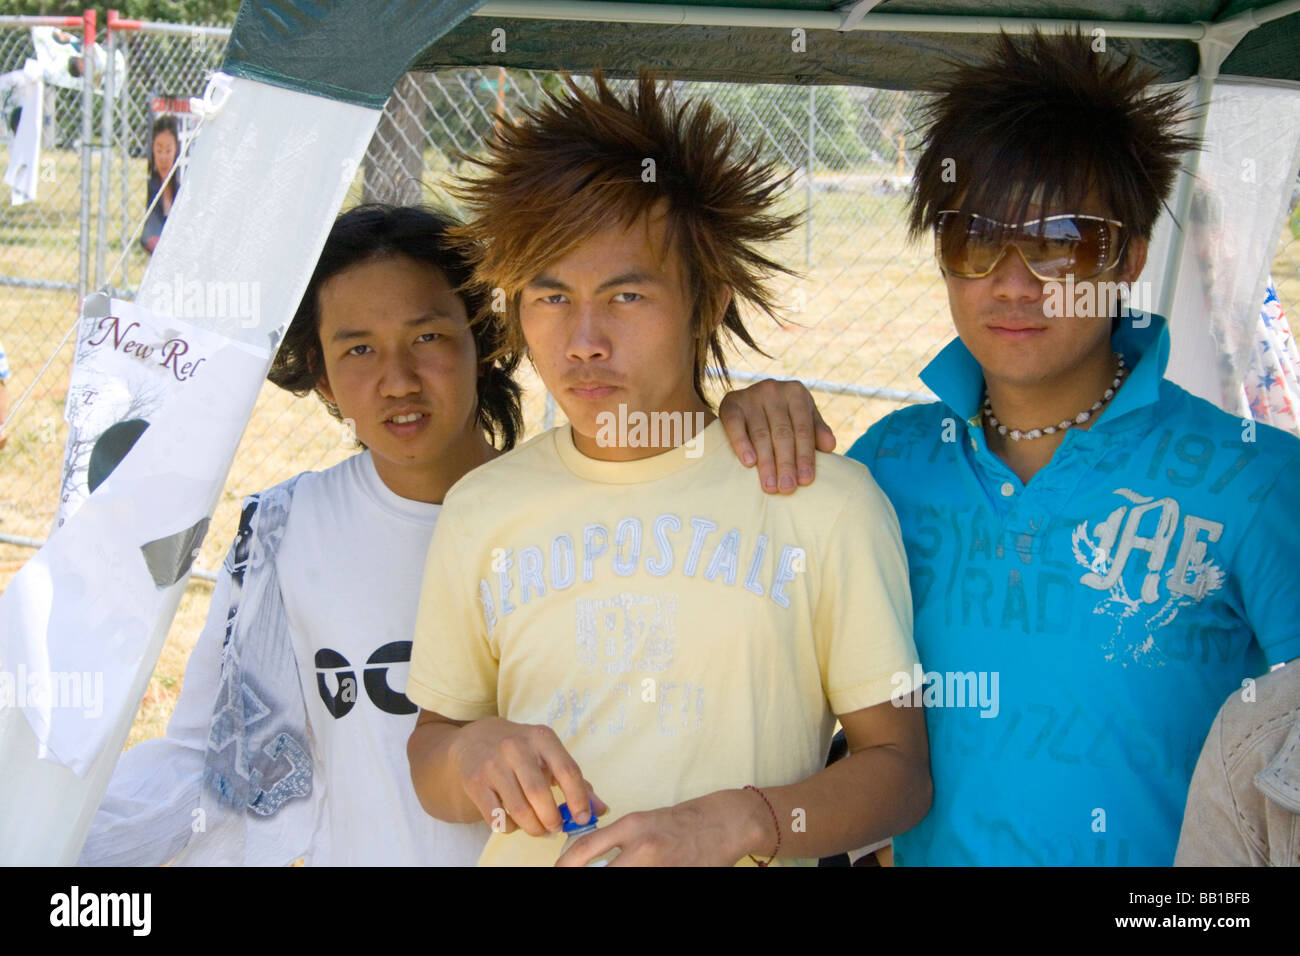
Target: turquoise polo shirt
x=1078 y=633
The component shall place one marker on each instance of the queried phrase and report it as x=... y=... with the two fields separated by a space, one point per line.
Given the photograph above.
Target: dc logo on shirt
x=375 y=679
x=1146 y=532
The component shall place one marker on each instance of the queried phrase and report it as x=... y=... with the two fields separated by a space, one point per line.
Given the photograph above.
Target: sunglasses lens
x=968 y=245
x=1082 y=246
x=1072 y=245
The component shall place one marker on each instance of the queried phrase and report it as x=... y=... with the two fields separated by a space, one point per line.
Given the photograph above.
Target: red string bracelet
x=775 y=822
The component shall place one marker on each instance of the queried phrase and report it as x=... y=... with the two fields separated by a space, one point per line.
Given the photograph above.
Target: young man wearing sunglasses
x=1103 y=553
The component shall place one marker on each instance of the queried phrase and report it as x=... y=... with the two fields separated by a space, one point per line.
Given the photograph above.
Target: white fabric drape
x=1241 y=197
x=266 y=179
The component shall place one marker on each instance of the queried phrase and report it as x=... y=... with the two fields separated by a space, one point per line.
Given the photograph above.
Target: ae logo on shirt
x=374 y=677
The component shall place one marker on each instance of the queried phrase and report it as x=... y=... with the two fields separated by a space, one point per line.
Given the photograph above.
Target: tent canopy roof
x=355 y=51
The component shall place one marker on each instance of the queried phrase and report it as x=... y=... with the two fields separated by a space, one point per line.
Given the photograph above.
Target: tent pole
x=1220 y=40
x=1263 y=15
x=678 y=15
x=1183 y=196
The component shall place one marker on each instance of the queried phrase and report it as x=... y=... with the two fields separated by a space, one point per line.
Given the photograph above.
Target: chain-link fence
x=39 y=285
x=866 y=313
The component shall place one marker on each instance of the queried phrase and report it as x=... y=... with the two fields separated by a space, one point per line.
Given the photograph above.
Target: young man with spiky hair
x=1108 y=554
x=615 y=622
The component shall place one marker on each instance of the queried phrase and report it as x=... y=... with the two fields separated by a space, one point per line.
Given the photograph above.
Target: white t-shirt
x=349 y=567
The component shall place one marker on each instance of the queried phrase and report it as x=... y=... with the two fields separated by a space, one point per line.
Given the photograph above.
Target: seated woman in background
x=164 y=147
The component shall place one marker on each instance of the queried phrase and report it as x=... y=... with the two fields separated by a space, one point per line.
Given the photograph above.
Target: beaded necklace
x=1015 y=434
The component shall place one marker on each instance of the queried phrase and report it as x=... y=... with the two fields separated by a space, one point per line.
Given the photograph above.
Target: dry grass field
x=868 y=309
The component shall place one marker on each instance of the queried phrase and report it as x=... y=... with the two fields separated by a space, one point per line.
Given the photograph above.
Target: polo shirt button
x=972 y=443
x=1008 y=489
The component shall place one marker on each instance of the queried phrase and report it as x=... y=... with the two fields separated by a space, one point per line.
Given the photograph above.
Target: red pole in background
x=73 y=22
x=113 y=23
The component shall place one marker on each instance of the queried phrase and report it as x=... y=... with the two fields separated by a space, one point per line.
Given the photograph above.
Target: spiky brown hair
x=1050 y=113
x=575 y=165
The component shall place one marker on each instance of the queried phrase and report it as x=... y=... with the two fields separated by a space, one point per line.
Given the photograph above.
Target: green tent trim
x=355 y=52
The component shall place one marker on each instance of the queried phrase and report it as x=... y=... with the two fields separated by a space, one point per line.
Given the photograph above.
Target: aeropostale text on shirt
x=523 y=574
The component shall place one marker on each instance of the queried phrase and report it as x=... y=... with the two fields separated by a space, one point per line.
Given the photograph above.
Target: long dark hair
x=166 y=124
x=375 y=231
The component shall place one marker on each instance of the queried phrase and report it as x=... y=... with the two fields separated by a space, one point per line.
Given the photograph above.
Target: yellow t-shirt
x=680 y=630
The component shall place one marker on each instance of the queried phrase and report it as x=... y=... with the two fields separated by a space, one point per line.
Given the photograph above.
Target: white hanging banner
x=23 y=90
x=174 y=379
x=61 y=54
x=129 y=363
x=154 y=408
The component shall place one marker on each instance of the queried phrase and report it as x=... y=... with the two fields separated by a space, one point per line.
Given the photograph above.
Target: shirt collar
x=1143 y=339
